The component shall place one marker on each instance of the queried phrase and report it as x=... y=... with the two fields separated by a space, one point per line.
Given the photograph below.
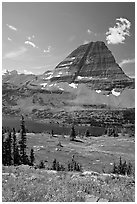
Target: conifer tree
x=115 y=168
x=32 y=158
x=3 y=149
x=72 y=134
x=16 y=156
x=87 y=133
x=23 y=145
x=129 y=168
x=54 y=164
x=14 y=145
x=120 y=166
x=8 y=149
x=52 y=133
x=124 y=168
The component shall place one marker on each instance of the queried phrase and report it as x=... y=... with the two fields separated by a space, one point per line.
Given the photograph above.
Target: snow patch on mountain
x=115 y=93
x=98 y=91
x=43 y=84
x=61 y=89
x=73 y=85
x=50 y=85
x=49 y=77
x=86 y=78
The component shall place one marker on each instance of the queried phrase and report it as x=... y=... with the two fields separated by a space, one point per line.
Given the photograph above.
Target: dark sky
x=37 y=36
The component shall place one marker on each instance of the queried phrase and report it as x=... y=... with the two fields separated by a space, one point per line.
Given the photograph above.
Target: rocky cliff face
x=88 y=62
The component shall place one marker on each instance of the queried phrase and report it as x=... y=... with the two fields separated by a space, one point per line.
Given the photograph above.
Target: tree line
x=14 y=150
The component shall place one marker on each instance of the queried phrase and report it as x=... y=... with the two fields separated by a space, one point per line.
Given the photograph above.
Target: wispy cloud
x=31 y=37
x=31 y=44
x=15 y=53
x=118 y=33
x=126 y=61
x=27 y=72
x=11 y=27
x=48 y=50
x=89 y=31
x=9 y=39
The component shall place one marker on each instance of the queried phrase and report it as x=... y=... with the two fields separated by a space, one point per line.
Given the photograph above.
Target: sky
x=38 y=36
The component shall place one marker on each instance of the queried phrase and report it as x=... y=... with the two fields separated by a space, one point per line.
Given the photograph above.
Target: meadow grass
x=25 y=184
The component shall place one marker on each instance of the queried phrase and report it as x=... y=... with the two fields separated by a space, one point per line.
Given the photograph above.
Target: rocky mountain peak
x=92 y=60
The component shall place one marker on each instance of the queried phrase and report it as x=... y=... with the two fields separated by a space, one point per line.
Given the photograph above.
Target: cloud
x=30 y=43
x=48 y=50
x=118 y=33
x=30 y=37
x=89 y=31
x=15 y=53
x=9 y=39
x=11 y=27
x=27 y=72
x=126 y=61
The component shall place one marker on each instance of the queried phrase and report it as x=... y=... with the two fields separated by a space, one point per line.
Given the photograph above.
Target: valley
x=87 y=91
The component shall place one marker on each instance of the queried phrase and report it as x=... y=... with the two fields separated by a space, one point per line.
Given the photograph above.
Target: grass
x=94 y=153
x=24 y=184
x=98 y=154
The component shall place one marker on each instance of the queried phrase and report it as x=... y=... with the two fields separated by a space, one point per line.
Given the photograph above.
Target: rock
x=91 y=198
x=51 y=171
x=103 y=200
x=5 y=174
x=90 y=173
x=58 y=149
x=13 y=175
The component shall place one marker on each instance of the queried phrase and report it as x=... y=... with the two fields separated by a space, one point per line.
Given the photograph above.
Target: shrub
x=74 y=166
x=41 y=165
x=122 y=168
x=87 y=134
x=112 y=132
x=57 y=166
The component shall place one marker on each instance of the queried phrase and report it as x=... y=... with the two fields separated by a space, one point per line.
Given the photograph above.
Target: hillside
x=24 y=184
x=94 y=184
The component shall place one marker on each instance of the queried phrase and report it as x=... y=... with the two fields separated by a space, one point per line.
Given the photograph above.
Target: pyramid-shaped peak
x=90 y=60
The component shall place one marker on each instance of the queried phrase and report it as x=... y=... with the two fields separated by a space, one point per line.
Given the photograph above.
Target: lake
x=38 y=126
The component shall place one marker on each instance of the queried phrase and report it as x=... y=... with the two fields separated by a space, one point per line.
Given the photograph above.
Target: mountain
x=89 y=75
x=89 y=61
x=94 y=65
